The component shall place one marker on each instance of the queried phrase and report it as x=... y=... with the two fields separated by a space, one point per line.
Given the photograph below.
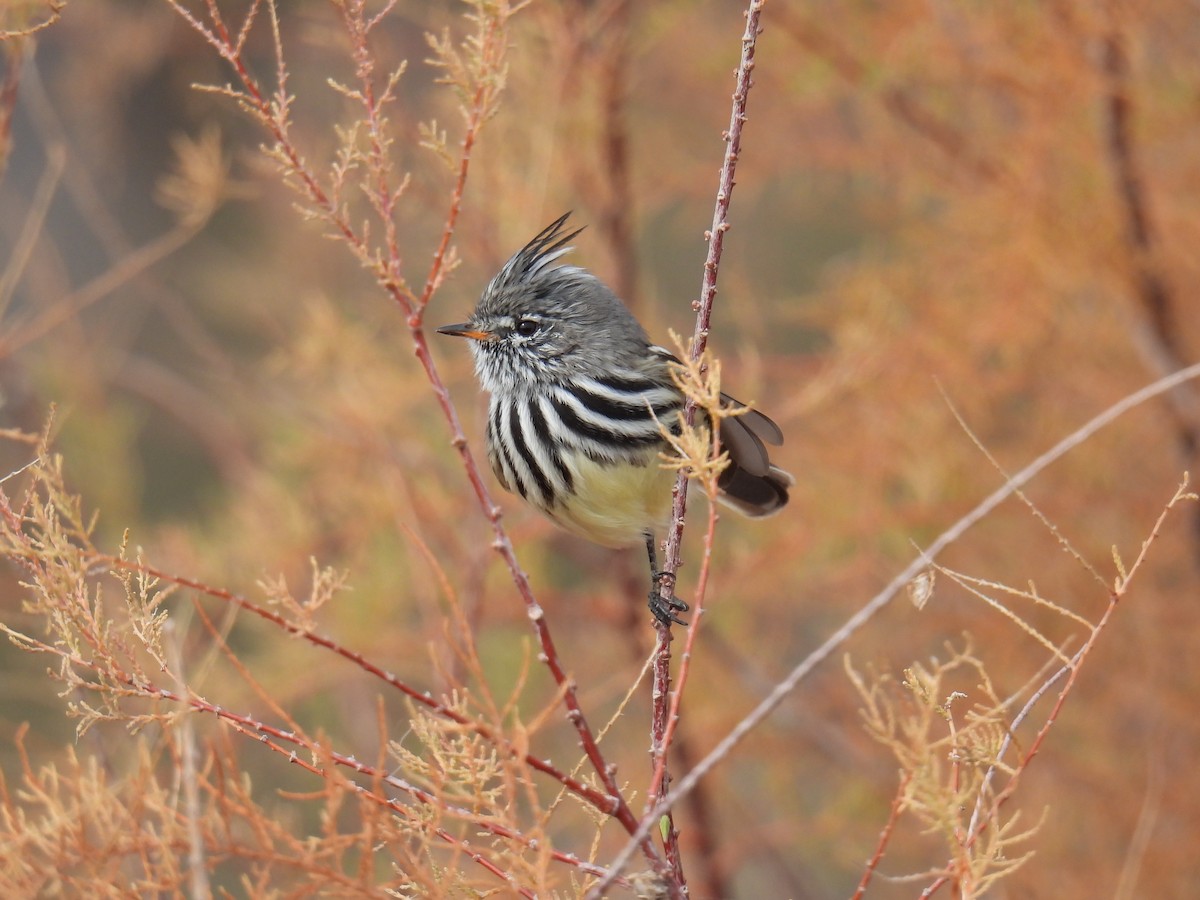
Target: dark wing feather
x=743 y=437
x=744 y=446
x=762 y=426
x=750 y=484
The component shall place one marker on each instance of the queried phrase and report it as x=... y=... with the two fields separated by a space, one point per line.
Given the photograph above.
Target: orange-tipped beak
x=466 y=329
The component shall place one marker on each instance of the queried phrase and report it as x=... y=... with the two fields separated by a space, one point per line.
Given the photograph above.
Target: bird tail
x=755 y=496
x=750 y=483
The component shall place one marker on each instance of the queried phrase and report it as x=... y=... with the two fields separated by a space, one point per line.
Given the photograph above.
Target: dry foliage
x=305 y=646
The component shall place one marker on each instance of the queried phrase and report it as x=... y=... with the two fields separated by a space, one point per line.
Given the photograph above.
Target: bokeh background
x=993 y=206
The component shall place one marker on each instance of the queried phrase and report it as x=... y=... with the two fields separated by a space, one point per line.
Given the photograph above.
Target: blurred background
x=992 y=206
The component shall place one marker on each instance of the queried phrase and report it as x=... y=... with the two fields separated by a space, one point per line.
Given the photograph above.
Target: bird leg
x=664 y=610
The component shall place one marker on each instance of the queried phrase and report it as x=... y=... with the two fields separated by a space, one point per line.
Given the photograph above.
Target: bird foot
x=665 y=611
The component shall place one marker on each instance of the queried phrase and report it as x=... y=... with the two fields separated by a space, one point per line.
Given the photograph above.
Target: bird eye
x=526 y=327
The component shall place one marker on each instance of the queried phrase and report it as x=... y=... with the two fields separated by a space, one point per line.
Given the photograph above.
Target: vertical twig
x=703 y=307
x=803 y=668
x=659 y=785
x=660 y=702
x=708 y=286
x=700 y=818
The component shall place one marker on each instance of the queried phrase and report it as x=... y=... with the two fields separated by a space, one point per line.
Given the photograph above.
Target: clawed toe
x=666 y=610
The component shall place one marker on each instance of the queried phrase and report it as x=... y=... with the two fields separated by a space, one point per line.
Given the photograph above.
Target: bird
x=577 y=392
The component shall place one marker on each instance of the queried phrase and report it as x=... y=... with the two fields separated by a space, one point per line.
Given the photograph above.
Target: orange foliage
x=291 y=590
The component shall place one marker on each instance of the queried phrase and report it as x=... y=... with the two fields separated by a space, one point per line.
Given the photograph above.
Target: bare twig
x=273 y=113
x=885 y=835
x=703 y=307
x=708 y=286
x=286 y=743
x=802 y=669
x=979 y=823
x=657 y=788
x=596 y=798
x=51 y=11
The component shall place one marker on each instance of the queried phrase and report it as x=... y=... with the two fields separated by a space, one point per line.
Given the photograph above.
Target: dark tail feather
x=754 y=495
x=750 y=484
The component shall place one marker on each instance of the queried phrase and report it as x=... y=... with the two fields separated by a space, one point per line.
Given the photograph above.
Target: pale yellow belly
x=615 y=505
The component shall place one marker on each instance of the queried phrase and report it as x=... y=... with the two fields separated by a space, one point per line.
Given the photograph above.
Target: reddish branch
x=273 y=115
x=672 y=717
x=708 y=285
x=884 y=836
x=662 y=711
x=276 y=738
x=601 y=801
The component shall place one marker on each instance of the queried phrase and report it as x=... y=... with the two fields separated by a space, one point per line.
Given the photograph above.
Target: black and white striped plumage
x=577 y=394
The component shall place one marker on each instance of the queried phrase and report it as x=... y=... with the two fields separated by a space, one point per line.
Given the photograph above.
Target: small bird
x=577 y=392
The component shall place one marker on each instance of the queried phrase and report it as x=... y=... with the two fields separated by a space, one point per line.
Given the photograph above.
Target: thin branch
x=275 y=738
x=805 y=667
x=51 y=13
x=597 y=799
x=885 y=836
x=273 y=115
x=657 y=788
x=703 y=307
x=980 y=823
x=708 y=285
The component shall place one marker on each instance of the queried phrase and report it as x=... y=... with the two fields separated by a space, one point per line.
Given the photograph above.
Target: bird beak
x=466 y=329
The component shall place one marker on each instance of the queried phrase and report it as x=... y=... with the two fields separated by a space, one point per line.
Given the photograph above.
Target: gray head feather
x=548 y=321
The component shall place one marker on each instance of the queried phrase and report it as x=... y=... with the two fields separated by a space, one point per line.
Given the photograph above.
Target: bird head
x=537 y=321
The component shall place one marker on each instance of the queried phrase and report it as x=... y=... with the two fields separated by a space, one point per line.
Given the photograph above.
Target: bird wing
x=742 y=435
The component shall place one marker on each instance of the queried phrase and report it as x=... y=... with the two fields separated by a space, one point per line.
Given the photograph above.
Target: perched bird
x=577 y=394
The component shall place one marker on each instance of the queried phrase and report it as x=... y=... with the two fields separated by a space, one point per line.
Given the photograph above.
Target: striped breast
x=585 y=452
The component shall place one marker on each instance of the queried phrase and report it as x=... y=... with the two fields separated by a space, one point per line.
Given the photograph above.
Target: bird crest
x=547 y=246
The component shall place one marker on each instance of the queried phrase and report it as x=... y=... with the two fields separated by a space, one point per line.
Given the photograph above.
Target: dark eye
x=526 y=327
